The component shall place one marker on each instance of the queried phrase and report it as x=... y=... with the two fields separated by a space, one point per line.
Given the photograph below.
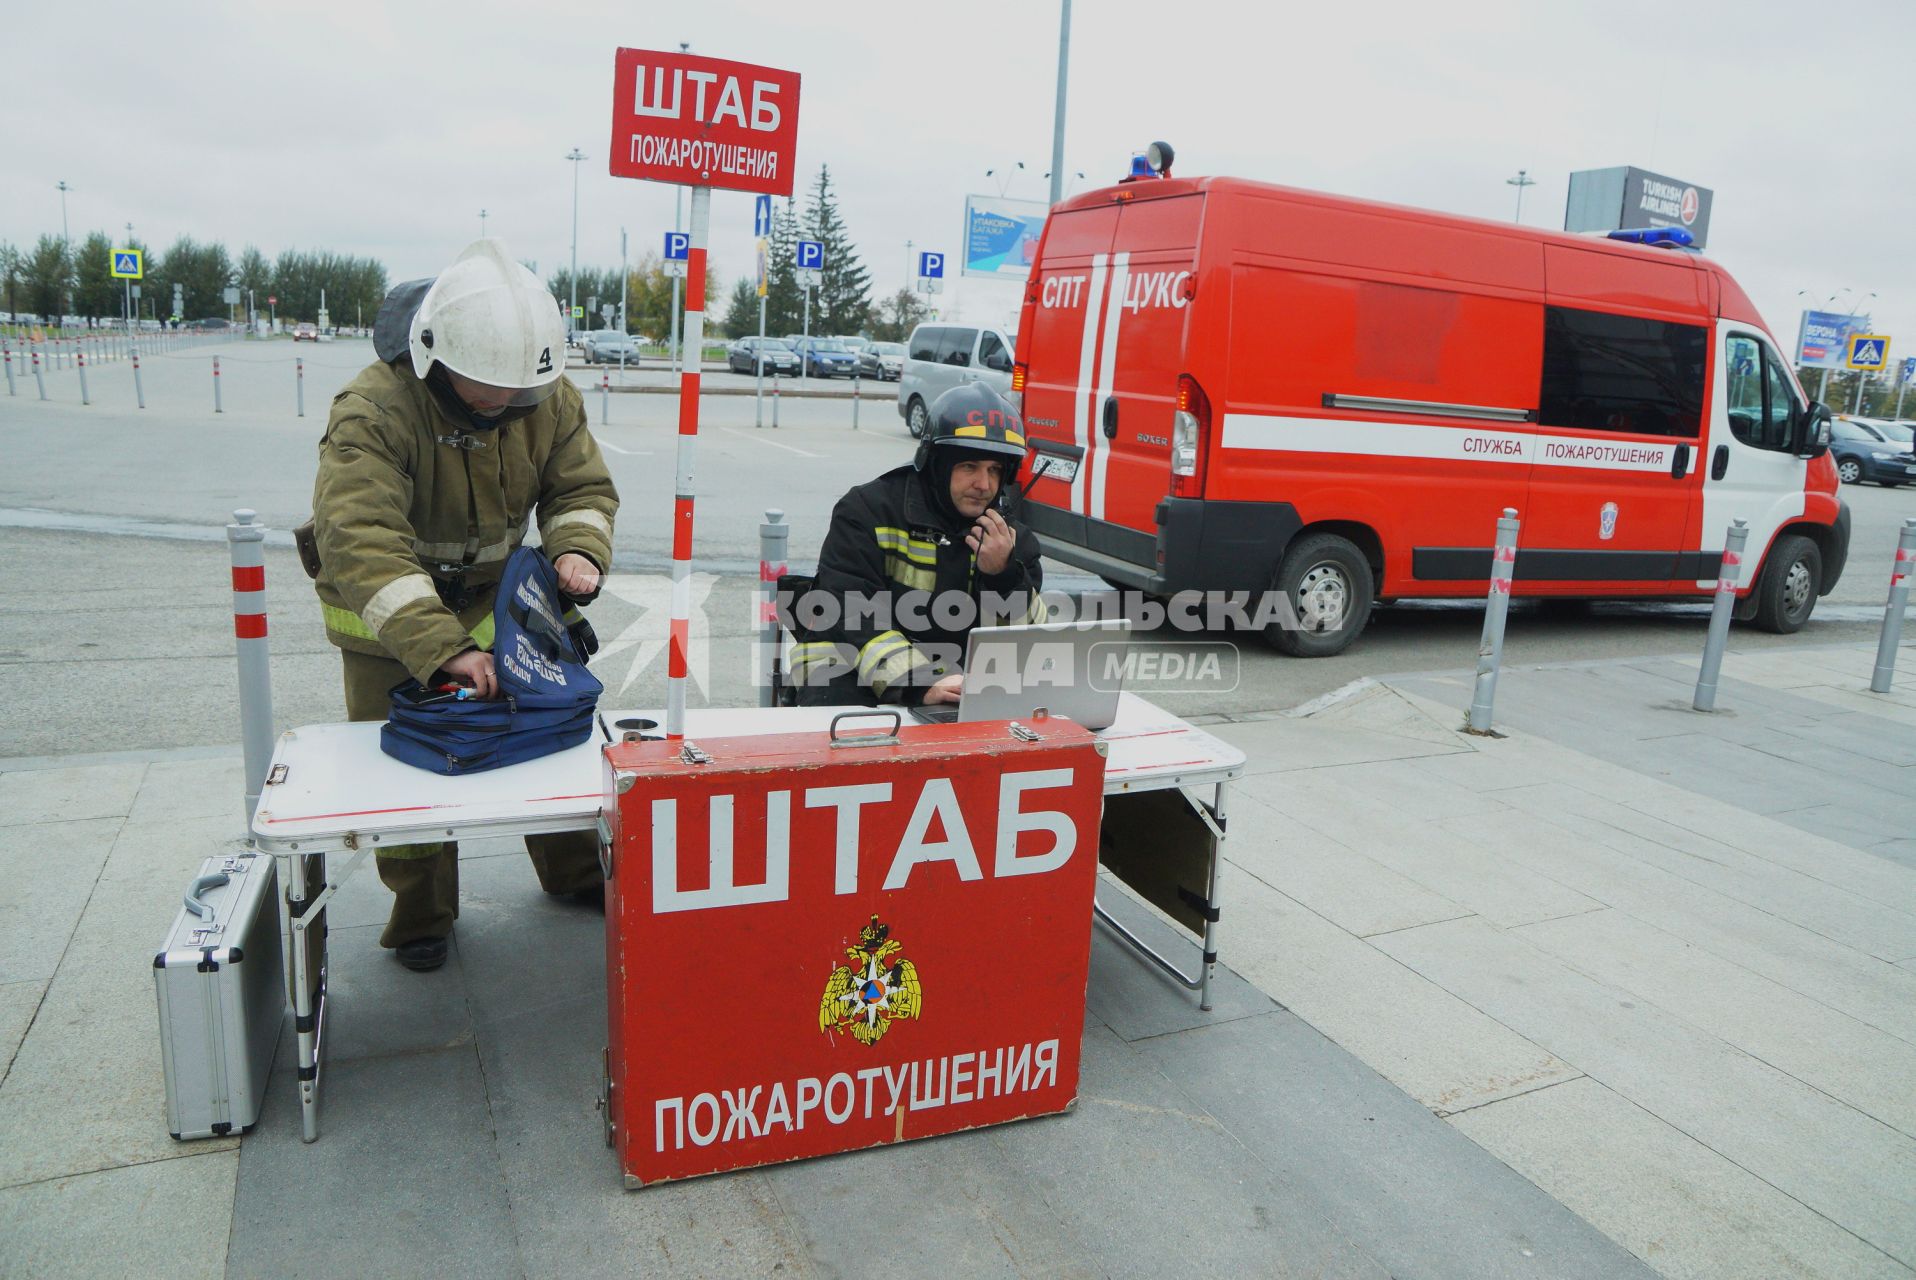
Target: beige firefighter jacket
x=415 y=514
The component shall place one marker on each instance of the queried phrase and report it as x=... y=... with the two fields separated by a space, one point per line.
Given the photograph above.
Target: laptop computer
x=1063 y=669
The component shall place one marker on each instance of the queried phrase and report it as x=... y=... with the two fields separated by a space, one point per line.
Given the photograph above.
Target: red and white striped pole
x=694 y=342
x=247 y=541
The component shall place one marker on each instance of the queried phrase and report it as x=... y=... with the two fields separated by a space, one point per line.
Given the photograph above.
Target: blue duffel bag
x=546 y=700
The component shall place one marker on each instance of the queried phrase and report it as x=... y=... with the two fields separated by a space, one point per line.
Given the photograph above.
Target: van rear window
x=1605 y=372
x=924 y=343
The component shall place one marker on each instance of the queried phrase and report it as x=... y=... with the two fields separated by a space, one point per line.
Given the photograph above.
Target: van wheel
x=1331 y=590
x=917 y=420
x=1786 y=593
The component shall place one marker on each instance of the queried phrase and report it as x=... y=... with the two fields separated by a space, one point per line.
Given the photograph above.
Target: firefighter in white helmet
x=433 y=460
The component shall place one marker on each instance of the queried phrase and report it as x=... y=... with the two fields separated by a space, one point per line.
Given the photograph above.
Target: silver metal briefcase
x=222 y=997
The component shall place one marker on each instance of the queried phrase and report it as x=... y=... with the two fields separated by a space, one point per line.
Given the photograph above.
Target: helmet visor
x=484 y=398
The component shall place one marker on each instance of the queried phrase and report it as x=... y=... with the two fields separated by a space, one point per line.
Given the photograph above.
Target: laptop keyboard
x=941 y=713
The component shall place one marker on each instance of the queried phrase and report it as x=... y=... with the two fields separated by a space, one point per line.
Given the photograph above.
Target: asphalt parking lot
x=139 y=497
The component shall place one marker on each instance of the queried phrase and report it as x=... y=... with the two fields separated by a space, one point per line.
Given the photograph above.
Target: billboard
x=1001 y=236
x=1822 y=339
x=1629 y=198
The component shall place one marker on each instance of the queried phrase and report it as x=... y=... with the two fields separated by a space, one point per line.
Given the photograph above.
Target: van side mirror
x=1810 y=431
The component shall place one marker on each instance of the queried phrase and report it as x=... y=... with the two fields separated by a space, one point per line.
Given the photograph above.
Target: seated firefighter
x=917 y=558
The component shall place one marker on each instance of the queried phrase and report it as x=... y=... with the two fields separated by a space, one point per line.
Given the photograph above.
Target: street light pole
x=1057 y=119
x=575 y=155
x=482 y=222
x=66 y=248
x=1522 y=180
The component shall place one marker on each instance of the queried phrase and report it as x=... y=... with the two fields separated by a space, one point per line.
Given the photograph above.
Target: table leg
x=1211 y=899
x=309 y=988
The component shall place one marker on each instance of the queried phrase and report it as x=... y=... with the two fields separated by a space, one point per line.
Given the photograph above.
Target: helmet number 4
x=545 y=360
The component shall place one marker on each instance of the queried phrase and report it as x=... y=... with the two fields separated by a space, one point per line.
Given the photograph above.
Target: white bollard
x=217 y=407
x=1893 y=612
x=299 y=383
x=1490 y=650
x=139 y=390
x=248 y=544
x=773 y=537
x=1720 y=610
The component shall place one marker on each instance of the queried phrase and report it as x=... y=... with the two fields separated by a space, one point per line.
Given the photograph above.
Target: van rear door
x=1139 y=353
x=1060 y=331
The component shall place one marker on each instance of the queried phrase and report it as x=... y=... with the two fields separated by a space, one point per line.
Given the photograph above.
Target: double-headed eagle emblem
x=865 y=996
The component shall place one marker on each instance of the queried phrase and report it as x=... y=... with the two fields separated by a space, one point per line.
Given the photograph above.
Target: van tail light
x=1190 y=425
x=1019 y=373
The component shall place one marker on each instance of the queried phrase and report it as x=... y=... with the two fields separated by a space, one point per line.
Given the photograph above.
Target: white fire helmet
x=489 y=319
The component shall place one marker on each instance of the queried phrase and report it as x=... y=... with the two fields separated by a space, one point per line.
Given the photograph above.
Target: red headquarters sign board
x=813 y=948
x=703 y=122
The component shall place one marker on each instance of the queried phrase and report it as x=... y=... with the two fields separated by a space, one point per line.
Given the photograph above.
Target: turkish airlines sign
x=703 y=122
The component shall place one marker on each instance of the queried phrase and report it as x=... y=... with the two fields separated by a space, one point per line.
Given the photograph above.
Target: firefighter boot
x=424 y=879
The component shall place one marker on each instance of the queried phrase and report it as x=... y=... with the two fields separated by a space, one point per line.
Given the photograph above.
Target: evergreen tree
x=255 y=275
x=12 y=275
x=741 y=311
x=784 y=300
x=95 y=291
x=842 y=302
x=47 y=276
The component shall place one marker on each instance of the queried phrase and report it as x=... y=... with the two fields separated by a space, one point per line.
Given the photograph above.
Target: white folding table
x=330 y=790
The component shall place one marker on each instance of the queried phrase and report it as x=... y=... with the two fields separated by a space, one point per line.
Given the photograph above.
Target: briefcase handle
x=881 y=738
x=200 y=885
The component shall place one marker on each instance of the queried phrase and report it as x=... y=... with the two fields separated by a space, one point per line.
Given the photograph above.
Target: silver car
x=939 y=357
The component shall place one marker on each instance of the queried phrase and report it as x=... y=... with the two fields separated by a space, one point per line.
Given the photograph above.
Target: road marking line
x=758 y=437
x=630 y=453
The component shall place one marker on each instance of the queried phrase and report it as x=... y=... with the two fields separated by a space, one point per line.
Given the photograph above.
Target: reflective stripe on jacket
x=889 y=545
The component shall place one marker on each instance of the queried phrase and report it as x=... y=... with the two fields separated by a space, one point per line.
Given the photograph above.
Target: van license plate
x=1066 y=469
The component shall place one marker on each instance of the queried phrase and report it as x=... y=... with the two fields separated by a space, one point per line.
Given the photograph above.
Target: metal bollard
x=775 y=381
x=1726 y=580
x=248 y=544
x=773 y=536
x=605 y=399
x=84 y=397
x=1490 y=650
x=299 y=382
x=39 y=378
x=854 y=400
x=7 y=352
x=217 y=407
x=139 y=390
x=1893 y=611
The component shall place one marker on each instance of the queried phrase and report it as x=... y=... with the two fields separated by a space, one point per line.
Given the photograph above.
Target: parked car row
x=1873 y=449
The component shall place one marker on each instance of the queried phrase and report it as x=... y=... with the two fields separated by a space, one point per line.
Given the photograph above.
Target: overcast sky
x=384 y=128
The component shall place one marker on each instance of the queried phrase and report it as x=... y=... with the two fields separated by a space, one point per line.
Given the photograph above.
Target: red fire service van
x=1237 y=387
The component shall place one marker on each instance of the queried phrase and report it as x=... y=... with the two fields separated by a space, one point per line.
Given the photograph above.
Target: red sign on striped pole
x=701 y=123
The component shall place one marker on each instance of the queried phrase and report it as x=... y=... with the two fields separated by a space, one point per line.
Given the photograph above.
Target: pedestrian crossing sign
x=1868 y=351
x=128 y=264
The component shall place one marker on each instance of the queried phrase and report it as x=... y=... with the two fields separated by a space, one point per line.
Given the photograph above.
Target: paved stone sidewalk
x=1529 y=1006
